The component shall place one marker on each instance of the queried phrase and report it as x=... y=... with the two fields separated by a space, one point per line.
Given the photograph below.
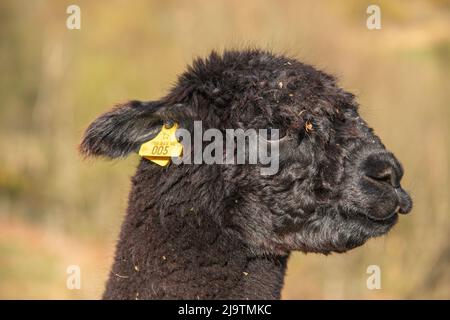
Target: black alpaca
x=226 y=231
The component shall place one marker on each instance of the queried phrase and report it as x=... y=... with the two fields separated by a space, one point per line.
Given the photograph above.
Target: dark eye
x=273 y=131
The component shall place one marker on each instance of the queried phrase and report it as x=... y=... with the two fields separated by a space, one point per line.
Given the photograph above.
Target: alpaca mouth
x=385 y=220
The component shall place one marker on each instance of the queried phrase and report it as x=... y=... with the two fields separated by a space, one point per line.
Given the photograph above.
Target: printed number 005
x=160 y=150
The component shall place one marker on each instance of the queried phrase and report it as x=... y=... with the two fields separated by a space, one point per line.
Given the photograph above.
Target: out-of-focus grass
x=57 y=210
x=34 y=263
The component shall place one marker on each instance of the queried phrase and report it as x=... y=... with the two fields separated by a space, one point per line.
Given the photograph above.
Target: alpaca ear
x=122 y=130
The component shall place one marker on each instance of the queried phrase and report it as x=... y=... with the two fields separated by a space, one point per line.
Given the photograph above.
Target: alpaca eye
x=272 y=131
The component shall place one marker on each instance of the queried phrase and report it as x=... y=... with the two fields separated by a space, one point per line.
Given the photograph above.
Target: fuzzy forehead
x=276 y=88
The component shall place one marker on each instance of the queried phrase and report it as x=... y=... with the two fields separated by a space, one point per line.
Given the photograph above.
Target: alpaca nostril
x=383 y=168
x=384 y=177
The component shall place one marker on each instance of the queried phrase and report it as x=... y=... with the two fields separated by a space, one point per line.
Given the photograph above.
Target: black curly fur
x=225 y=231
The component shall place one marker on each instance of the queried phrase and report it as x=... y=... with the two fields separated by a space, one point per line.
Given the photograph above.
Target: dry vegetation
x=57 y=210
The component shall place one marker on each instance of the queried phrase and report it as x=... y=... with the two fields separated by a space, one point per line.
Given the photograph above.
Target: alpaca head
x=337 y=185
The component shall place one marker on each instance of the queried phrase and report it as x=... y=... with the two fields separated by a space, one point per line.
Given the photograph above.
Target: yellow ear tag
x=162 y=147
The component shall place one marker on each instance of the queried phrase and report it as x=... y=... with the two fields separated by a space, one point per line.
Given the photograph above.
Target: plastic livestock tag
x=164 y=146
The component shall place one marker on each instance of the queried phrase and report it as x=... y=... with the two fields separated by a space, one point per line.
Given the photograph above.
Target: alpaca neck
x=172 y=250
x=189 y=263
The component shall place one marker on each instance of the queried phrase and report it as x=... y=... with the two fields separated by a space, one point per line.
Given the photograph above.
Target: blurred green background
x=57 y=210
